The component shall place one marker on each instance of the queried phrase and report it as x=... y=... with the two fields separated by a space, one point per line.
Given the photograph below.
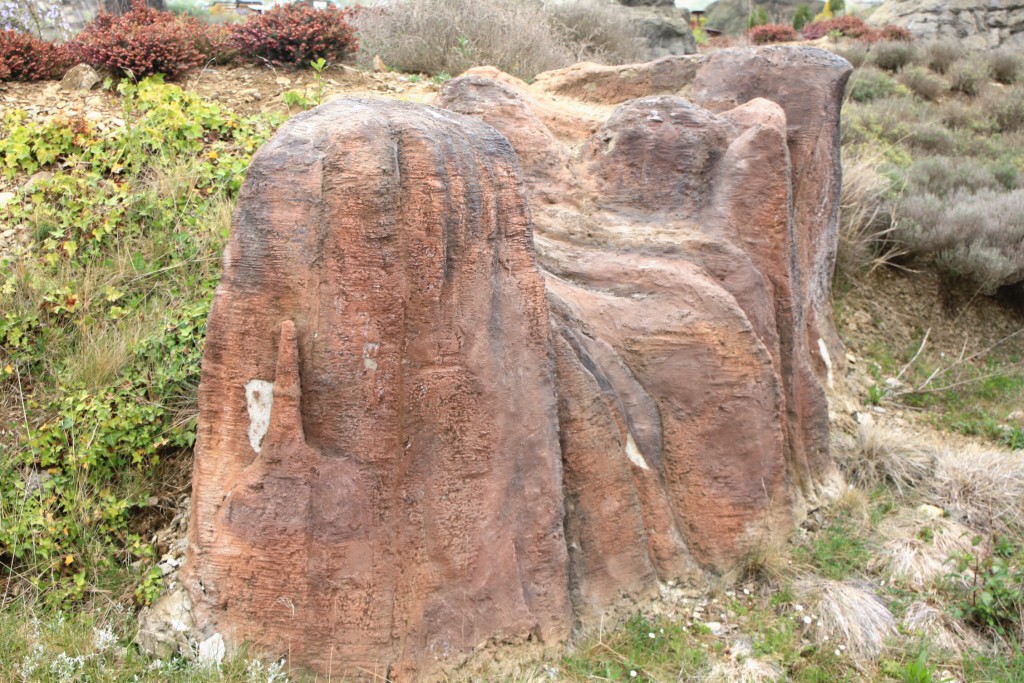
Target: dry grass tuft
x=768 y=563
x=883 y=456
x=865 y=219
x=983 y=487
x=748 y=670
x=850 y=614
x=939 y=629
x=918 y=548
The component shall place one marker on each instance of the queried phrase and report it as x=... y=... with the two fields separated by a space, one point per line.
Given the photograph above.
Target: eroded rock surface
x=427 y=425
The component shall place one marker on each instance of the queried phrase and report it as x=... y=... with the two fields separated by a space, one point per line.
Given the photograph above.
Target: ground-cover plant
x=989 y=584
x=103 y=317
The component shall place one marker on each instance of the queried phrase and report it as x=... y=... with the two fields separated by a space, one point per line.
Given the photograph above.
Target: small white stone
x=212 y=651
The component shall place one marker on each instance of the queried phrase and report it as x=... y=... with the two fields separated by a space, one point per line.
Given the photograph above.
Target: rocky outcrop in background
x=447 y=402
x=976 y=24
x=665 y=26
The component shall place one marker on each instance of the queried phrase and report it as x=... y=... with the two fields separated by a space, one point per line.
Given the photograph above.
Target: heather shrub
x=932 y=138
x=1006 y=65
x=973 y=238
x=141 y=42
x=943 y=176
x=296 y=35
x=923 y=83
x=892 y=55
x=855 y=53
x=968 y=76
x=26 y=58
x=869 y=84
x=940 y=55
x=847 y=25
x=450 y=36
x=1008 y=109
x=771 y=33
x=960 y=114
x=595 y=32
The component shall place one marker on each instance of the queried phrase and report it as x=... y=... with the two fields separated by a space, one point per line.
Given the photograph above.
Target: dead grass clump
x=595 y=32
x=882 y=456
x=450 y=36
x=767 y=563
x=919 y=546
x=850 y=614
x=983 y=487
x=865 y=218
x=746 y=670
x=939 y=628
x=940 y=55
x=520 y=37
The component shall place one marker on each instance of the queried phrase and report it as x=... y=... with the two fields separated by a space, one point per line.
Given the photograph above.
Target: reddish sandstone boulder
x=418 y=435
x=402 y=501
x=616 y=84
x=808 y=83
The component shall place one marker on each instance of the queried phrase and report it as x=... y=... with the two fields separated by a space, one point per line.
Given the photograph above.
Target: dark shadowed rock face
x=426 y=425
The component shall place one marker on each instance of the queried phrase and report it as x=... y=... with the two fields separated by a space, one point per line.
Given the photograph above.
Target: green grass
x=838 y=551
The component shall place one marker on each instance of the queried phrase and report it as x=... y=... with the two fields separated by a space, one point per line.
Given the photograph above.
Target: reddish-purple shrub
x=772 y=33
x=143 y=41
x=894 y=32
x=26 y=58
x=851 y=27
x=297 y=34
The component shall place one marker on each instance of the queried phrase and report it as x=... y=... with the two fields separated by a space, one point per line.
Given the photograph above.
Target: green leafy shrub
x=759 y=17
x=990 y=583
x=892 y=55
x=141 y=42
x=923 y=83
x=940 y=55
x=24 y=57
x=1006 y=65
x=296 y=35
x=968 y=76
x=868 y=84
x=766 y=34
x=802 y=16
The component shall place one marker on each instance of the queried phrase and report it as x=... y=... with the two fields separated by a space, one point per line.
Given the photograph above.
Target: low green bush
x=868 y=84
x=1006 y=65
x=923 y=83
x=940 y=55
x=892 y=55
x=969 y=76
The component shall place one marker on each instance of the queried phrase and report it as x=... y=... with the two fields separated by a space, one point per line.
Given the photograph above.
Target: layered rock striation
x=976 y=24
x=450 y=399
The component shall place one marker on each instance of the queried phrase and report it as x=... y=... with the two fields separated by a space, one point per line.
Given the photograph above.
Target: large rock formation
x=976 y=24
x=426 y=425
